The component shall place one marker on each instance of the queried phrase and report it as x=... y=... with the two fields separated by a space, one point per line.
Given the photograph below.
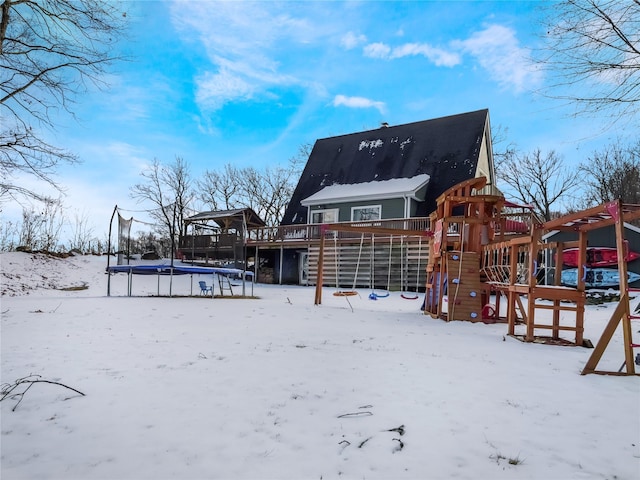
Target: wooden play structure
x=612 y=213
x=463 y=221
x=481 y=252
x=477 y=255
x=519 y=268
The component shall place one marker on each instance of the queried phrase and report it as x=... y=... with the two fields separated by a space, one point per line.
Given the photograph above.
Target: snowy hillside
x=275 y=387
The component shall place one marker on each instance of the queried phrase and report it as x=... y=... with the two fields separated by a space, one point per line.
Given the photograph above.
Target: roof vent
x=384 y=125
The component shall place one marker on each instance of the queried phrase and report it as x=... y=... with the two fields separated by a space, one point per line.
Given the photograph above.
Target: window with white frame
x=366 y=212
x=324 y=216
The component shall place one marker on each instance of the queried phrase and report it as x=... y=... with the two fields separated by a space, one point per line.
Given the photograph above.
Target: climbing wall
x=464 y=288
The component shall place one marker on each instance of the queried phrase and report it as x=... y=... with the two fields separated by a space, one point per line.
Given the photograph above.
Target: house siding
x=397 y=266
x=485 y=165
x=391 y=208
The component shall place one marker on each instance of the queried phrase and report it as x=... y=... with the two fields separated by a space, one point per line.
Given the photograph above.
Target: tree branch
x=30 y=380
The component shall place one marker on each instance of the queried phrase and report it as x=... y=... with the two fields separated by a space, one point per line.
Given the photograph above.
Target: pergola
x=229 y=228
x=239 y=219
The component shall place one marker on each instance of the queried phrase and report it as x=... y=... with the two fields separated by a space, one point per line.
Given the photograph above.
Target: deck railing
x=519 y=223
x=310 y=232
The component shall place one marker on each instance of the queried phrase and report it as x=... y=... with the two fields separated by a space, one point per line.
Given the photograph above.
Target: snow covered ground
x=275 y=387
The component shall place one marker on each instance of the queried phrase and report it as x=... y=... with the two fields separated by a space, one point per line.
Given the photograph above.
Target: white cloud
x=250 y=46
x=214 y=89
x=205 y=125
x=377 y=50
x=498 y=51
x=437 y=56
x=350 y=40
x=358 y=102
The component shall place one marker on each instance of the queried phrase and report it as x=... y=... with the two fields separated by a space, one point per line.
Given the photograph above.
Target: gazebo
x=219 y=236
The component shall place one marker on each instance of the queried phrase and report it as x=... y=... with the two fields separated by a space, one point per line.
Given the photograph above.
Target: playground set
x=474 y=259
x=479 y=255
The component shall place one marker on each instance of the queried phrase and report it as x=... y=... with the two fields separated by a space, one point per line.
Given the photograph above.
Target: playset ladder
x=225 y=284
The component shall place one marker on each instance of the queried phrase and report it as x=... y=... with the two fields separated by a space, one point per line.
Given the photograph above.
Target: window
x=324 y=216
x=368 y=212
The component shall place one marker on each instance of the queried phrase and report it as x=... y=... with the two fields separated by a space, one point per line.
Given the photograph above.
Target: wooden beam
x=556 y=307
x=605 y=338
x=319 y=274
x=468 y=185
x=615 y=208
x=561 y=222
x=554 y=327
x=490 y=199
x=593 y=218
x=618 y=374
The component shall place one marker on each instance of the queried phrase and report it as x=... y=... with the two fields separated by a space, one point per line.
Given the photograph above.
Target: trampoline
x=166 y=269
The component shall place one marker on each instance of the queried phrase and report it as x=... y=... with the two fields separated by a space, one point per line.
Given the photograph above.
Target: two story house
x=391 y=175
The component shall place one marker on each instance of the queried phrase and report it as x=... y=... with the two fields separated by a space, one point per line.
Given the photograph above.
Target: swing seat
x=375 y=296
x=342 y=293
x=409 y=297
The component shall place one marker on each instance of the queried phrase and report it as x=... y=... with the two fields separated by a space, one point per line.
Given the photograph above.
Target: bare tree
x=539 y=180
x=22 y=152
x=40 y=230
x=82 y=233
x=220 y=190
x=8 y=235
x=268 y=192
x=593 y=52
x=168 y=189
x=613 y=173
x=50 y=51
x=29 y=229
x=54 y=219
x=503 y=149
x=177 y=178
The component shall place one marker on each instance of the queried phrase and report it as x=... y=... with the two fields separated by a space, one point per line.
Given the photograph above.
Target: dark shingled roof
x=447 y=149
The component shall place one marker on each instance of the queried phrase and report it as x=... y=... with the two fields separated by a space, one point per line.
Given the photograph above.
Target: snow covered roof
x=376 y=190
x=447 y=149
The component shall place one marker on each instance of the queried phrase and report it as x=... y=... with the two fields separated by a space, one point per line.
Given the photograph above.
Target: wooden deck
x=306 y=234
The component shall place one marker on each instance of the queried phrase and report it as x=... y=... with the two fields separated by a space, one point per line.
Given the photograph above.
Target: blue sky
x=248 y=83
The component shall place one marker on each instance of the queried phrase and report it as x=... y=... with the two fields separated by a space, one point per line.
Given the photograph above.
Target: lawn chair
x=204 y=289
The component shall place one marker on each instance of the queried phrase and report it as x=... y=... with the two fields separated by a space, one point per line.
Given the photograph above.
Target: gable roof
x=446 y=149
x=376 y=190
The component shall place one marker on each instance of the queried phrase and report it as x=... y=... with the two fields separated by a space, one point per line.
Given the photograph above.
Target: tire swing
x=415 y=296
x=373 y=295
x=338 y=292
